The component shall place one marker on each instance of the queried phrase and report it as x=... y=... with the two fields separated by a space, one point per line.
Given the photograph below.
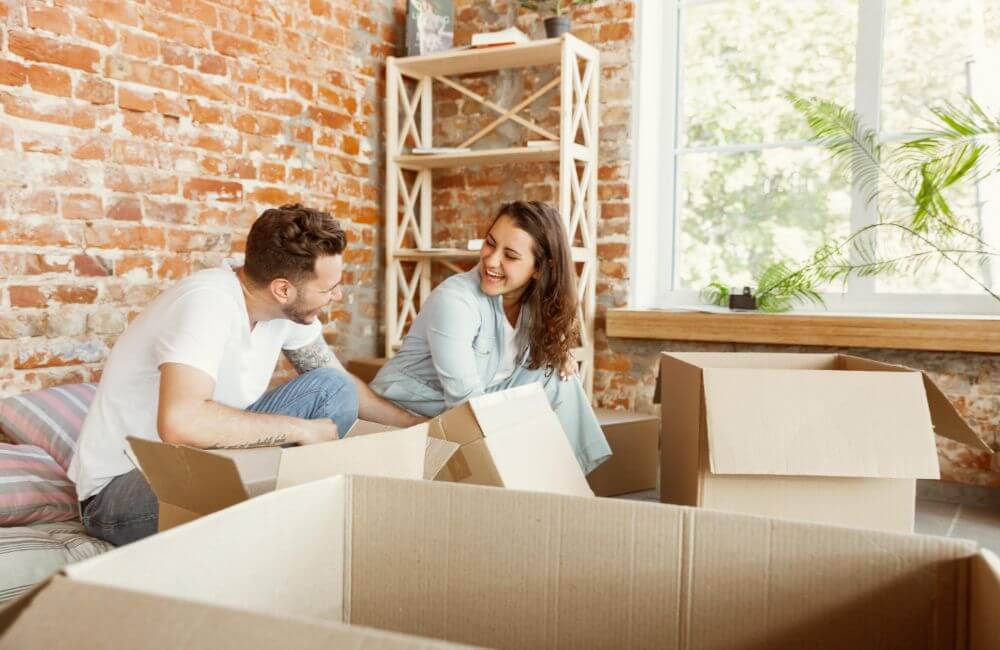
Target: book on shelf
x=542 y=144
x=426 y=151
x=509 y=36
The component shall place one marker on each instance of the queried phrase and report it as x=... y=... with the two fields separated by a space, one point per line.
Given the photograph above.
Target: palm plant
x=907 y=185
x=555 y=7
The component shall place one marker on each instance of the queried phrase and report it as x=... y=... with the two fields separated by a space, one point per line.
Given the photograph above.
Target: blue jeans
x=126 y=509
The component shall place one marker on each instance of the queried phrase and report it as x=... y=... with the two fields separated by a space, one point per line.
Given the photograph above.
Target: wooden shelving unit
x=410 y=83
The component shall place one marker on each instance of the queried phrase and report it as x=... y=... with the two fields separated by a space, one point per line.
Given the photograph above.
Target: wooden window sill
x=948 y=333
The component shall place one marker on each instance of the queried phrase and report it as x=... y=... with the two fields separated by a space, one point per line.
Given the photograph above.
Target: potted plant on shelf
x=908 y=186
x=557 y=22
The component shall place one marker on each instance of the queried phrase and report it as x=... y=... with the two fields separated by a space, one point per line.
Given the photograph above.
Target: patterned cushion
x=30 y=554
x=33 y=488
x=49 y=418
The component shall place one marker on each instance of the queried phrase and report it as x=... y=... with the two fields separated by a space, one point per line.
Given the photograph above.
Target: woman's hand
x=569 y=368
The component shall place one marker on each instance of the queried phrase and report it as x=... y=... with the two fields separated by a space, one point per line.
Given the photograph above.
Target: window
x=726 y=178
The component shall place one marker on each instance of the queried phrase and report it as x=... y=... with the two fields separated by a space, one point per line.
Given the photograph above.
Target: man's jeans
x=126 y=509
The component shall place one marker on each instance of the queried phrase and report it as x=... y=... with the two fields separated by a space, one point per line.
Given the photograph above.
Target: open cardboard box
x=510 y=439
x=190 y=483
x=819 y=437
x=512 y=569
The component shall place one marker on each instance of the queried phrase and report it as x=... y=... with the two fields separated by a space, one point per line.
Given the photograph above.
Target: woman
x=510 y=321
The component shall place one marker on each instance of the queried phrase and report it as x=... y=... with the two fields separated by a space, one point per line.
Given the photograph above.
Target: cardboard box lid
x=948 y=422
x=437 y=454
x=818 y=423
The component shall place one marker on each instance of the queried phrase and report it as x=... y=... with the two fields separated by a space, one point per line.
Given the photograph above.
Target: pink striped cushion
x=33 y=488
x=49 y=418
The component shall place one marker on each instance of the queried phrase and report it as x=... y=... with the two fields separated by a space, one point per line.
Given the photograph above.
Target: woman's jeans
x=126 y=509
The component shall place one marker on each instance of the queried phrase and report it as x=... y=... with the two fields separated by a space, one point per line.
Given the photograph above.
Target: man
x=193 y=369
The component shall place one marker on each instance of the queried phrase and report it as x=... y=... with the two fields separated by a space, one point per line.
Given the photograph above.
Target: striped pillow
x=49 y=418
x=33 y=487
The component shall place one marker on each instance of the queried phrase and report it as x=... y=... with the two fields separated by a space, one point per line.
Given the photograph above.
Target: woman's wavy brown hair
x=551 y=297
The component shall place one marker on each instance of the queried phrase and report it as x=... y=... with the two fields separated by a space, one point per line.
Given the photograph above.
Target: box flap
x=364 y=427
x=984 y=596
x=258 y=467
x=457 y=424
x=192 y=479
x=73 y=614
x=502 y=411
x=818 y=423
x=393 y=454
x=948 y=422
x=437 y=455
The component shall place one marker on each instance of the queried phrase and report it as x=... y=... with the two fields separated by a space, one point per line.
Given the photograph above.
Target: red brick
x=272 y=196
x=143 y=73
x=49 y=50
x=82 y=206
x=124 y=236
x=170 y=106
x=127 y=208
x=176 y=54
x=173 y=268
x=117 y=11
x=172 y=29
x=43 y=143
x=614 y=210
x=193 y=84
x=89 y=148
x=328 y=118
x=168 y=212
x=89 y=266
x=134 y=101
x=12 y=74
x=136 y=181
x=39 y=202
x=206 y=114
x=143 y=125
x=96 y=31
x=129 y=263
x=95 y=90
x=50 y=19
x=133 y=152
x=26 y=296
x=235 y=46
x=206 y=189
x=303 y=89
x=272 y=172
x=349 y=145
x=35 y=264
x=277 y=105
x=212 y=64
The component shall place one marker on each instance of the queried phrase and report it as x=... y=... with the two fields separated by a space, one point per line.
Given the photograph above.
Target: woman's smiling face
x=506 y=260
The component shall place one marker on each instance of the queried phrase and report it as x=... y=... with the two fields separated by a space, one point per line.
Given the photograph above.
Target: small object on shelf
x=743 y=300
x=509 y=36
x=429 y=26
x=556 y=26
x=475 y=244
x=428 y=151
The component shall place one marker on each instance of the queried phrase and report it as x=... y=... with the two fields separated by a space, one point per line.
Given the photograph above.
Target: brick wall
x=626 y=370
x=139 y=140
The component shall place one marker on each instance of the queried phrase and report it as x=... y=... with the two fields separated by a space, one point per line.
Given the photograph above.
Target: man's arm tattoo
x=311 y=356
x=266 y=441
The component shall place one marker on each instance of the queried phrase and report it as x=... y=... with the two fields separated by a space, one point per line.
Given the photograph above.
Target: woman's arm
x=454 y=321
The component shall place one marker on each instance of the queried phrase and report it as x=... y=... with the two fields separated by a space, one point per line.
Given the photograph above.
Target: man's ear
x=282 y=290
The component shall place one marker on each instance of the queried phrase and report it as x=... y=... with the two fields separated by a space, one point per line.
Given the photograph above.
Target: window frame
x=654 y=176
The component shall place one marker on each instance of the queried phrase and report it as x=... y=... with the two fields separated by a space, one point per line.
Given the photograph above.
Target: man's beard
x=295 y=313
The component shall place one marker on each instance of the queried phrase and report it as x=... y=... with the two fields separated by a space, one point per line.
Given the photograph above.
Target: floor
x=979 y=523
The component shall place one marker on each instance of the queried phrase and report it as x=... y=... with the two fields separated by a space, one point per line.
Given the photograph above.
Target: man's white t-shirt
x=201 y=321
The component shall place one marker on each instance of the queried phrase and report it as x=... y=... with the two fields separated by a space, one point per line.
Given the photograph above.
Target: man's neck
x=256 y=306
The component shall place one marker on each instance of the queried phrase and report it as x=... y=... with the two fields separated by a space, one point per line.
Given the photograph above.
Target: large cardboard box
x=634 y=440
x=190 y=483
x=510 y=439
x=819 y=437
x=511 y=569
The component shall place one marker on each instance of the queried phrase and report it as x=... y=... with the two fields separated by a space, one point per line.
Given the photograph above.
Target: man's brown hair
x=284 y=243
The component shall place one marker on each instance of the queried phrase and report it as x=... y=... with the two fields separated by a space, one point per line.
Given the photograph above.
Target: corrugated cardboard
x=510 y=439
x=512 y=569
x=365 y=368
x=634 y=440
x=436 y=455
x=190 y=483
x=819 y=437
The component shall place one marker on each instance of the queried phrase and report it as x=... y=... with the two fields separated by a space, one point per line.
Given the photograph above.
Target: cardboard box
x=634 y=440
x=510 y=439
x=190 y=483
x=365 y=368
x=818 y=437
x=511 y=569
